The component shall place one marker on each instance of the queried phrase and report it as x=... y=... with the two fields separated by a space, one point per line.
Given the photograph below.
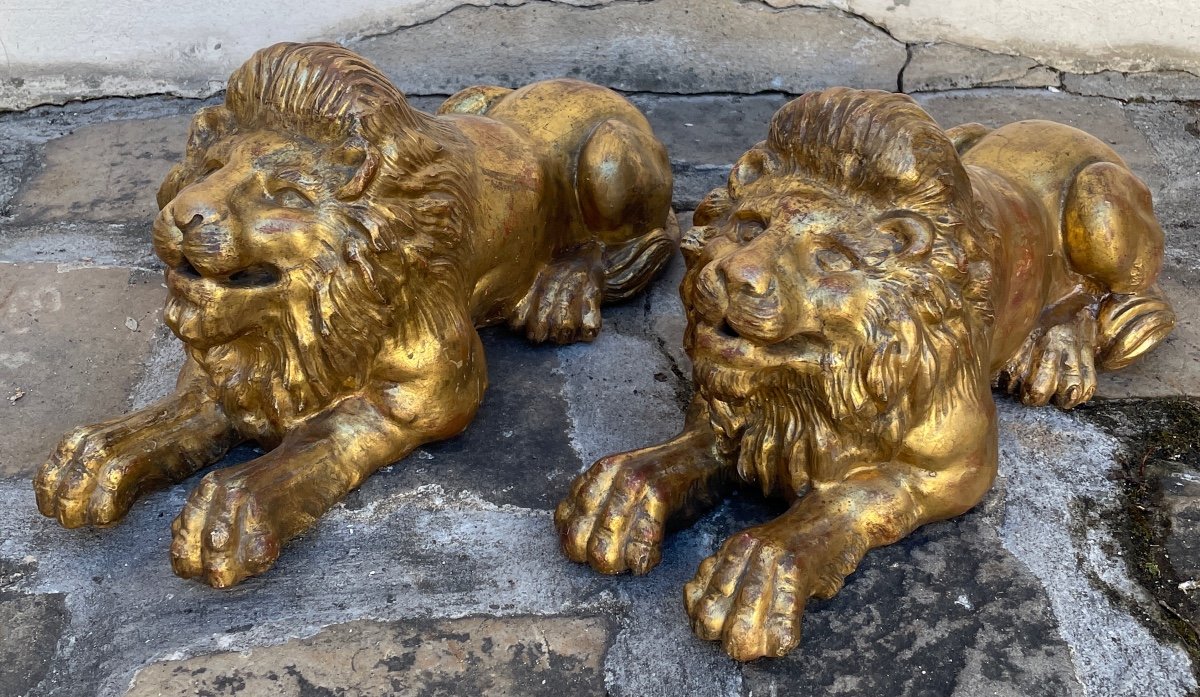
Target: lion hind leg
x=563 y=304
x=628 y=234
x=1056 y=364
x=1110 y=234
x=624 y=190
x=966 y=135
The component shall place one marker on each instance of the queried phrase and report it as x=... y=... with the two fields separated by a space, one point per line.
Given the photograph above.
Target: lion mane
x=401 y=235
x=878 y=151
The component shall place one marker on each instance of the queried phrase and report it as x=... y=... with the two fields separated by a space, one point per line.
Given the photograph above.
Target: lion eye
x=833 y=261
x=288 y=197
x=749 y=229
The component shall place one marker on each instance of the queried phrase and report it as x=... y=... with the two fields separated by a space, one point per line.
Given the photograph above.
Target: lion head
x=835 y=285
x=313 y=214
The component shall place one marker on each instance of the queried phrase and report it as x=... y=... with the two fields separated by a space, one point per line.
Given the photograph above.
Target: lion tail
x=630 y=267
x=1129 y=326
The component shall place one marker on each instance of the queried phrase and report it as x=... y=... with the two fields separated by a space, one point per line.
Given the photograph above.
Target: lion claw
x=751 y=595
x=221 y=536
x=563 y=305
x=1056 y=366
x=615 y=518
x=87 y=481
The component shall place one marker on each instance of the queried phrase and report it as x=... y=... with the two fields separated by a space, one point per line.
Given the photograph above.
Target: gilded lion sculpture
x=330 y=251
x=852 y=295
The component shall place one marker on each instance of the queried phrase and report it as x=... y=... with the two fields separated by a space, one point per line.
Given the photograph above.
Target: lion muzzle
x=198 y=242
x=740 y=293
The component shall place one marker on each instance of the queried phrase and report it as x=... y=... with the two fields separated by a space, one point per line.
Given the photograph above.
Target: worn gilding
x=852 y=296
x=330 y=252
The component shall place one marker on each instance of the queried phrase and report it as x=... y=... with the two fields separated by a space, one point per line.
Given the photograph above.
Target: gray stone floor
x=441 y=575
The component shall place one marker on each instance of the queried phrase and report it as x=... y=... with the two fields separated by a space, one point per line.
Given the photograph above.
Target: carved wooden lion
x=329 y=253
x=852 y=295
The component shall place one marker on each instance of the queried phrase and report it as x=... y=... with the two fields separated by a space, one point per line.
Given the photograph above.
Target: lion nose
x=204 y=242
x=747 y=278
x=755 y=308
x=193 y=212
x=196 y=221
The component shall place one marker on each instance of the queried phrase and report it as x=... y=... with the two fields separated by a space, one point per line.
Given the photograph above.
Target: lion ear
x=750 y=168
x=911 y=232
x=209 y=125
x=715 y=205
x=693 y=242
x=360 y=155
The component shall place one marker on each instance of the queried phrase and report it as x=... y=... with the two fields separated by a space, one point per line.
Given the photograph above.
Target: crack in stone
x=908 y=49
x=503 y=4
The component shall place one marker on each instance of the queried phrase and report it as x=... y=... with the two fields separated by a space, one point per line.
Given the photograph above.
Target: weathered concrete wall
x=1082 y=36
x=76 y=49
x=71 y=49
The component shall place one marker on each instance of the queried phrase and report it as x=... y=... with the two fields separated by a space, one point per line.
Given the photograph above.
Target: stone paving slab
x=108 y=172
x=534 y=656
x=996 y=601
x=72 y=345
x=1173 y=131
x=991 y=599
x=1031 y=594
x=943 y=66
x=33 y=625
x=1170 y=85
x=667 y=46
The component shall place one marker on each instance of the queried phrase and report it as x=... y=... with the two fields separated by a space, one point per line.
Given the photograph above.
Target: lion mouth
x=254 y=276
x=720 y=344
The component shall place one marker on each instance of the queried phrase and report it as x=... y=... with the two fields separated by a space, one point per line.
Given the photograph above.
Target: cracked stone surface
x=441 y=575
x=943 y=66
x=667 y=46
x=640 y=45
x=536 y=656
x=1170 y=85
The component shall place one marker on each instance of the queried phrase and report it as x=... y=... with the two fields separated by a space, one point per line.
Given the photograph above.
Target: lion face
x=241 y=241
x=315 y=217
x=837 y=287
x=819 y=321
x=788 y=279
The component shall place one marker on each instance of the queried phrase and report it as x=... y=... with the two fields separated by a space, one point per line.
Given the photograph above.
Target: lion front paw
x=751 y=595
x=223 y=535
x=90 y=479
x=615 y=516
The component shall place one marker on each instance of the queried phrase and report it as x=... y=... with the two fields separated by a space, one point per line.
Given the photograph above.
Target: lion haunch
x=330 y=252
x=852 y=295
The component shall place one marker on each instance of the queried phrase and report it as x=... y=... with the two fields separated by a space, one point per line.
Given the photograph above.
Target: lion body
x=530 y=207
x=1027 y=174
x=1015 y=280
x=851 y=295
x=330 y=252
x=540 y=183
